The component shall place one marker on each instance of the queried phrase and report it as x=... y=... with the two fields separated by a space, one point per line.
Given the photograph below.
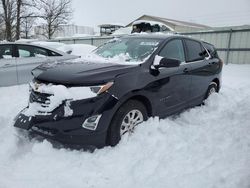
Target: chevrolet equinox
x=94 y=102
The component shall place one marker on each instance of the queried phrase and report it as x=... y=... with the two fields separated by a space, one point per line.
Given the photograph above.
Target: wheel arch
x=217 y=81
x=145 y=101
x=139 y=97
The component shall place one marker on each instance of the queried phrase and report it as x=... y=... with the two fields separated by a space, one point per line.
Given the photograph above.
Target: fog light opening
x=91 y=122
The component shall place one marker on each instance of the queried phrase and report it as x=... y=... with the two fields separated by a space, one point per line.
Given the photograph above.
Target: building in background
x=65 y=31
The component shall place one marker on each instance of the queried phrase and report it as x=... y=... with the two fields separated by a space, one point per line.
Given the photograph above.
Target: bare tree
x=2 y=28
x=9 y=13
x=25 y=13
x=14 y=12
x=54 y=13
x=18 y=18
x=27 y=25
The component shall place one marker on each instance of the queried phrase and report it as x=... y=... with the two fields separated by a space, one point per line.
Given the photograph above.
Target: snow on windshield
x=125 y=50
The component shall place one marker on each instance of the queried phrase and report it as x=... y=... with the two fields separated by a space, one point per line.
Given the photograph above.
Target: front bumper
x=68 y=130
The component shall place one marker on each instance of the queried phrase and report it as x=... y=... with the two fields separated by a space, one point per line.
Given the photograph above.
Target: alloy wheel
x=131 y=119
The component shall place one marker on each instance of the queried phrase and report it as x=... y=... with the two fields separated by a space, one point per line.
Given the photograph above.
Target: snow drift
x=206 y=146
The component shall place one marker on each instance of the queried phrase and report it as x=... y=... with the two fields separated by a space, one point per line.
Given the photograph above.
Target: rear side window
x=194 y=51
x=5 y=51
x=31 y=51
x=173 y=50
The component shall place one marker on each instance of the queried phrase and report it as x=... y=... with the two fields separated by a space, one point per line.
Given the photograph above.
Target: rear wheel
x=128 y=116
x=213 y=88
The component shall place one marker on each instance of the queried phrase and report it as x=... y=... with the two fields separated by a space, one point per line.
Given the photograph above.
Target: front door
x=29 y=57
x=8 y=71
x=174 y=83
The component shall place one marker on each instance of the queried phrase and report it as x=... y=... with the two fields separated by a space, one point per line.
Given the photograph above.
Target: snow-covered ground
x=204 y=147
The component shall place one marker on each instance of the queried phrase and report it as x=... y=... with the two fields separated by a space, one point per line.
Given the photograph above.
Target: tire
x=128 y=109
x=212 y=88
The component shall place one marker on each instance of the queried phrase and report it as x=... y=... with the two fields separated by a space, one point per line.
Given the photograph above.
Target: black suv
x=121 y=84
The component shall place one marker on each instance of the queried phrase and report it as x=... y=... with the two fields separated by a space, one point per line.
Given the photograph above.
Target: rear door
x=200 y=72
x=29 y=57
x=8 y=71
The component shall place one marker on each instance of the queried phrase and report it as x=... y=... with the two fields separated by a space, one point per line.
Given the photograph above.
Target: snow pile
x=78 y=49
x=58 y=94
x=206 y=146
x=123 y=31
x=152 y=23
x=55 y=45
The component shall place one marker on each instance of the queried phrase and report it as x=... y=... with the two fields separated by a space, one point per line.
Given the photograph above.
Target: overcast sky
x=212 y=12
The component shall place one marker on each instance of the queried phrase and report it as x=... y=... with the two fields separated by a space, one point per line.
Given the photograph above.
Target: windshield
x=128 y=49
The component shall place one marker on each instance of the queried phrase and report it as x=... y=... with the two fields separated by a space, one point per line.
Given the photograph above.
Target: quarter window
x=173 y=50
x=51 y=53
x=211 y=50
x=194 y=51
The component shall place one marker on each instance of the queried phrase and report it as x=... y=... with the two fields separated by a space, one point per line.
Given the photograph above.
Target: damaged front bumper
x=70 y=128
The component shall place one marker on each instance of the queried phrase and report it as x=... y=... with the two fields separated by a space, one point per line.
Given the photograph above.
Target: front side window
x=128 y=49
x=31 y=51
x=173 y=50
x=5 y=51
x=194 y=51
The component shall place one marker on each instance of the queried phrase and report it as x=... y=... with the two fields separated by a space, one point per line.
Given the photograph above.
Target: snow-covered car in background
x=18 y=59
x=77 y=49
x=73 y=49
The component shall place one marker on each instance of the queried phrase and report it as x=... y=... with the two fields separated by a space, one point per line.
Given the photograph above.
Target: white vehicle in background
x=74 y=49
x=18 y=59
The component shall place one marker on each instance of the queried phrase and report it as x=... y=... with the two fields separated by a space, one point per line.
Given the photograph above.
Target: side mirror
x=166 y=62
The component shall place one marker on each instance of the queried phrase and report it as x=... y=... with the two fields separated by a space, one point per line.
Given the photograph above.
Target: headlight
x=100 y=89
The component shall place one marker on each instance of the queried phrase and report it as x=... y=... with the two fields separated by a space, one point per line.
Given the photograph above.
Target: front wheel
x=128 y=116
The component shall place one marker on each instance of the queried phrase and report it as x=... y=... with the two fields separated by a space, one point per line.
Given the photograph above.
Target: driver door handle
x=6 y=65
x=186 y=70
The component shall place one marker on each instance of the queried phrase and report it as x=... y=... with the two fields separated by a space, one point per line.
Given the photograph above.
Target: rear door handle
x=186 y=70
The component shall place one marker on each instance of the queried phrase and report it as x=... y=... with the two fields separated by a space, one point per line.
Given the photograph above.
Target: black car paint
x=80 y=73
x=164 y=92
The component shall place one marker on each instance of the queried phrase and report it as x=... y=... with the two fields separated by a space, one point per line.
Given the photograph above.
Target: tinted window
x=51 y=53
x=5 y=51
x=31 y=51
x=210 y=48
x=173 y=50
x=194 y=51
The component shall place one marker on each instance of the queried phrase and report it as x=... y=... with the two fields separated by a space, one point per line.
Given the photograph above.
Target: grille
x=42 y=98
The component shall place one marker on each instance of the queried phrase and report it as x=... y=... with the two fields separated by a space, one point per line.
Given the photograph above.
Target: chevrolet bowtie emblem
x=36 y=85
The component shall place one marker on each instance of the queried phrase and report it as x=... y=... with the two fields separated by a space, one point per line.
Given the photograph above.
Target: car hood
x=80 y=73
